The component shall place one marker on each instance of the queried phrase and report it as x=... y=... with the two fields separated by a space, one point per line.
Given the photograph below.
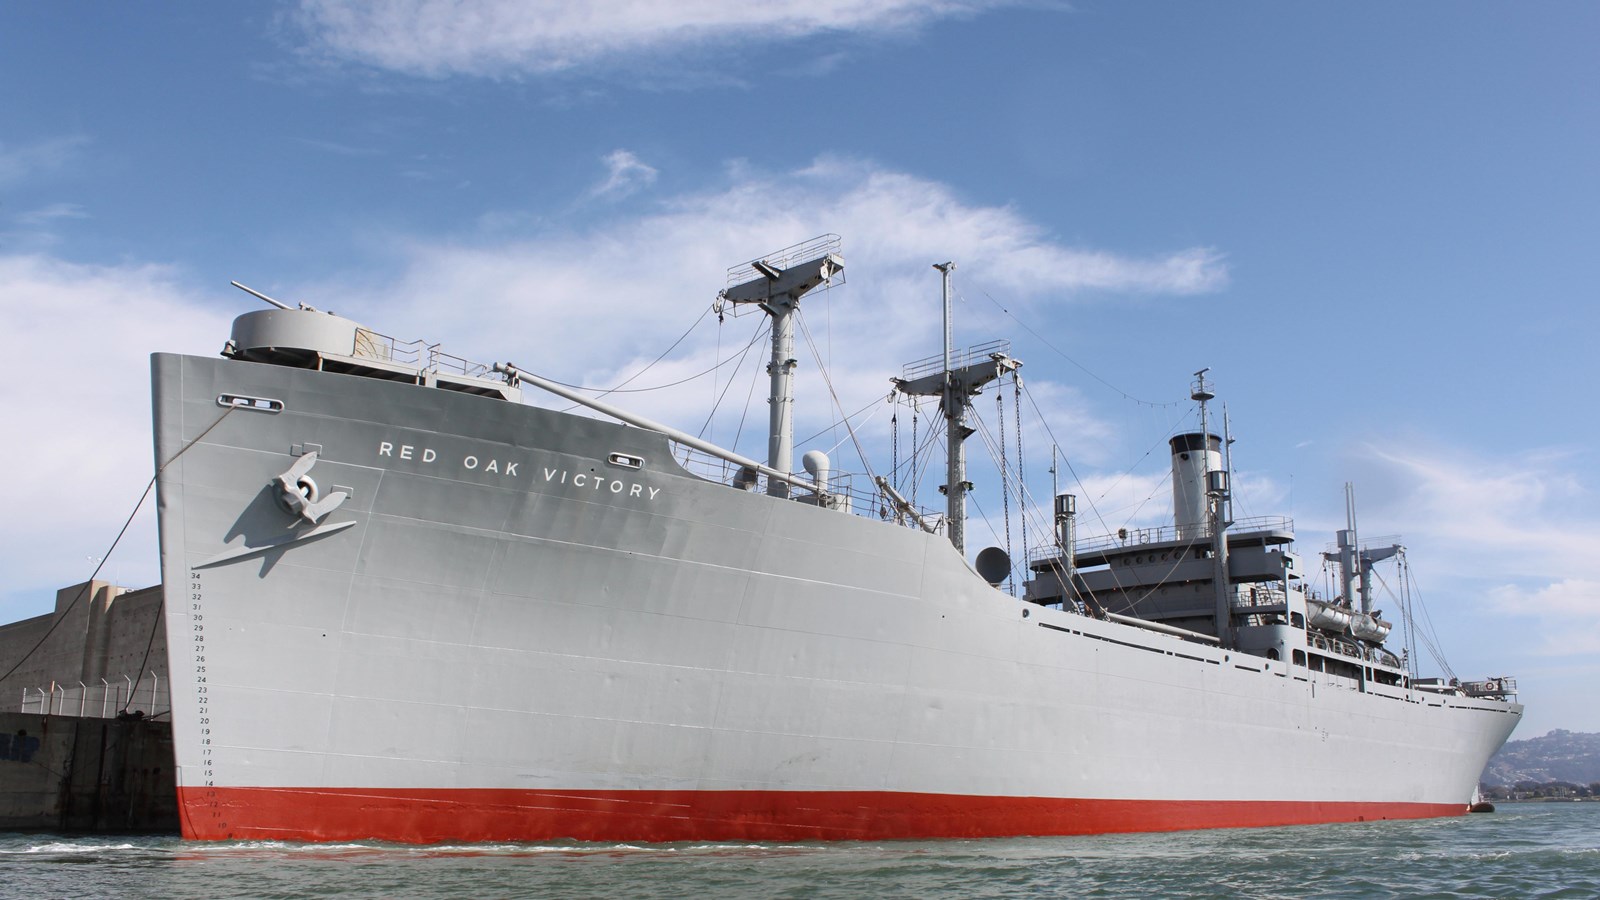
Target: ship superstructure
x=418 y=610
x=1233 y=584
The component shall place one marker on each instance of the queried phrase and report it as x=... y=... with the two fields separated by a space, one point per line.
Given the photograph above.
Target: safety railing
x=805 y=251
x=959 y=359
x=842 y=486
x=418 y=354
x=107 y=699
x=1130 y=537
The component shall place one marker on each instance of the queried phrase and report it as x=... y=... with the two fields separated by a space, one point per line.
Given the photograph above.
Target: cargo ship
x=404 y=605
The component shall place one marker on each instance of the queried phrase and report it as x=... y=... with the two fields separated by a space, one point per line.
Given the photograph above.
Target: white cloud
x=595 y=306
x=30 y=160
x=500 y=37
x=625 y=174
x=1568 y=610
x=1513 y=537
x=1519 y=516
x=77 y=451
x=1111 y=501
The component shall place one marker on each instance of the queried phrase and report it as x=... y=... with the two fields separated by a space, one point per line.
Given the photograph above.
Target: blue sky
x=1376 y=223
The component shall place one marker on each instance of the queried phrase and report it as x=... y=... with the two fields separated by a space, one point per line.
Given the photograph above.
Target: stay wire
x=739 y=354
x=828 y=380
x=1070 y=469
x=1095 y=508
x=601 y=392
x=731 y=380
x=847 y=418
x=1041 y=339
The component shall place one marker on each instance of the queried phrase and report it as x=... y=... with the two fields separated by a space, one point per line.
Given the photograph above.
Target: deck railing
x=1129 y=537
x=418 y=354
x=849 y=486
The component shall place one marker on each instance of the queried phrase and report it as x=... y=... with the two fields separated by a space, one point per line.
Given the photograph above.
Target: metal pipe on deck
x=1184 y=633
x=681 y=437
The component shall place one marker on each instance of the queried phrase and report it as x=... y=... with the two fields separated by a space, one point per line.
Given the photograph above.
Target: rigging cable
x=1430 y=636
x=1067 y=460
x=1040 y=338
x=749 y=398
x=874 y=406
x=916 y=479
x=996 y=450
x=1134 y=602
x=618 y=389
x=835 y=425
x=734 y=376
x=738 y=354
x=828 y=380
x=109 y=550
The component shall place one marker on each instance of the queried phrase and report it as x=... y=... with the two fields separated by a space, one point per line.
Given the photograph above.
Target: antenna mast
x=956 y=433
x=775 y=283
x=954 y=378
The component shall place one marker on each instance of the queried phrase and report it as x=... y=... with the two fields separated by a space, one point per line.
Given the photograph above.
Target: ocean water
x=1523 y=850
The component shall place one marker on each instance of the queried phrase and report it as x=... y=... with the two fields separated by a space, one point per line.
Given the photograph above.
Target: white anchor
x=299 y=494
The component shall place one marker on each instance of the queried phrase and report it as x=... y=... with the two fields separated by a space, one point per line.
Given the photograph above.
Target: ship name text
x=509 y=469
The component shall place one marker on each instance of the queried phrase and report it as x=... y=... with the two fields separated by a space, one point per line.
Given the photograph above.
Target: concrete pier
x=72 y=758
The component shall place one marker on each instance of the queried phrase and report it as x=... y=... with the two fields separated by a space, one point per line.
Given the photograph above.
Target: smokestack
x=1193 y=456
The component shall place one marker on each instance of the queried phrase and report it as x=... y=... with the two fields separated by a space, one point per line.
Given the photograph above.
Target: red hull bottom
x=427 y=816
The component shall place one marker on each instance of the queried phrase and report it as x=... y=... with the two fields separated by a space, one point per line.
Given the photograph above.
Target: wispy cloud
x=37 y=230
x=1528 y=506
x=625 y=174
x=18 y=162
x=1568 y=612
x=1521 y=530
x=55 y=212
x=506 y=37
x=337 y=148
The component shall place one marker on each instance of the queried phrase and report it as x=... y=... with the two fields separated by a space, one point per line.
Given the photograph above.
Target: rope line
x=83 y=592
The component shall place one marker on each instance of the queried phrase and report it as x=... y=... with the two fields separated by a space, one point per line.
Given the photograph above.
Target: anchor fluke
x=298 y=492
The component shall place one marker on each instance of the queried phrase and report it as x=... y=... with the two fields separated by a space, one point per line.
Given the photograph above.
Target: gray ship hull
x=503 y=634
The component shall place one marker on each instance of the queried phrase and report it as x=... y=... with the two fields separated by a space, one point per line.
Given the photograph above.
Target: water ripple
x=1526 y=850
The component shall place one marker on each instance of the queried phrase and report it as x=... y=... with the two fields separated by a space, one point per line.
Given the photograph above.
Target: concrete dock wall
x=103 y=648
x=70 y=774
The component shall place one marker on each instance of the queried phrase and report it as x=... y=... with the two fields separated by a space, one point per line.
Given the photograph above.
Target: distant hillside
x=1558 y=756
